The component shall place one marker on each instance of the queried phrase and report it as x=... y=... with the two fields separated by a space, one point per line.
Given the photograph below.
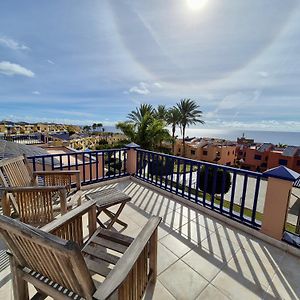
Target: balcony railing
x=28 y=139
x=235 y=193
x=232 y=192
x=95 y=166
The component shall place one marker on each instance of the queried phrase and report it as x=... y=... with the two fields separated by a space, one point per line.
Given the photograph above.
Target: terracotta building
x=211 y=150
x=266 y=156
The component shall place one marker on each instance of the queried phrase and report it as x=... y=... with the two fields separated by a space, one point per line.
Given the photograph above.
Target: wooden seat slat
x=100 y=254
x=115 y=236
x=100 y=268
x=109 y=244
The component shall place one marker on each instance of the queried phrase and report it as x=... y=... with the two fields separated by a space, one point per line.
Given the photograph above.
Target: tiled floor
x=202 y=258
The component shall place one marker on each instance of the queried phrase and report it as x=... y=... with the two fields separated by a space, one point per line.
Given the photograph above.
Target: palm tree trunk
x=173 y=139
x=183 y=141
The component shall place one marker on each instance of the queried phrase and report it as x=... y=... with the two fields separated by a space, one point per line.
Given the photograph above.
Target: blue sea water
x=275 y=137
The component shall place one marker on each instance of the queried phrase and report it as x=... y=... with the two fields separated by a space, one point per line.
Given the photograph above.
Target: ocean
x=275 y=137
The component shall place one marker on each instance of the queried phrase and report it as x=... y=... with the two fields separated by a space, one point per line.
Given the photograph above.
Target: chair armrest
x=64 y=172
x=61 y=226
x=19 y=189
x=126 y=263
x=60 y=173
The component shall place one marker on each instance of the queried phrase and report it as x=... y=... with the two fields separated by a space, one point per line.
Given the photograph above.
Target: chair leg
x=20 y=286
x=114 y=217
x=153 y=256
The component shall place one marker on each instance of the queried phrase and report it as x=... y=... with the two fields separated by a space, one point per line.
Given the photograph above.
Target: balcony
x=209 y=247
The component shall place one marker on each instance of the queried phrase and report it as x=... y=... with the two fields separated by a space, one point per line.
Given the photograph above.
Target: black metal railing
x=94 y=166
x=236 y=193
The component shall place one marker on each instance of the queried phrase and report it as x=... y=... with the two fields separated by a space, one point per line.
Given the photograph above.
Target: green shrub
x=102 y=142
x=210 y=179
x=161 y=167
x=113 y=163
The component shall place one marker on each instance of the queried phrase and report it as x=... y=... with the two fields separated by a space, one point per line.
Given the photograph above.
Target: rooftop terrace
x=199 y=256
x=214 y=242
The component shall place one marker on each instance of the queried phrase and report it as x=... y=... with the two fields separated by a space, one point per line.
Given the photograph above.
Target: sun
x=196 y=4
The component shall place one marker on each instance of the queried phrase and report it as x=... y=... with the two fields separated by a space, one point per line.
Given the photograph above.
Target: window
x=179 y=150
x=257 y=157
x=232 y=151
x=193 y=152
x=298 y=162
x=283 y=162
x=228 y=153
x=204 y=152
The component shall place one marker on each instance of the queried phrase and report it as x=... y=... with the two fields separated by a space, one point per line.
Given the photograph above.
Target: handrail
x=77 y=152
x=253 y=173
x=94 y=166
x=223 y=189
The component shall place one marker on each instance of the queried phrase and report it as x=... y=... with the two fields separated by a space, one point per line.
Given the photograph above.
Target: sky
x=88 y=61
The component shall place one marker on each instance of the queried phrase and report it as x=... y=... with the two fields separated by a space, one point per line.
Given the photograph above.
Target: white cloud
x=50 y=61
x=239 y=100
x=256 y=125
x=10 y=69
x=29 y=118
x=141 y=89
x=263 y=74
x=157 y=84
x=12 y=44
x=36 y=93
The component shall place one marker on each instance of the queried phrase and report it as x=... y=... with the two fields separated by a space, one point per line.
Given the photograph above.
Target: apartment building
x=289 y=157
x=83 y=141
x=211 y=150
x=3 y=128
x=256 y=157
x=266 y=156
x=8 y=127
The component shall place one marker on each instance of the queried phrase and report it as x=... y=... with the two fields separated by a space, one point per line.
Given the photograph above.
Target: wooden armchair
x=66 y=268
x=16 y=172
x=35 y=204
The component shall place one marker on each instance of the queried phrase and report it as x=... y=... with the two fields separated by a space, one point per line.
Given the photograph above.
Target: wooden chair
x=64 y=268
x=16 y=173
x=35 y=204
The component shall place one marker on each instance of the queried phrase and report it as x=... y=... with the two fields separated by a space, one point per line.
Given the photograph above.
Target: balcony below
x=199 y=256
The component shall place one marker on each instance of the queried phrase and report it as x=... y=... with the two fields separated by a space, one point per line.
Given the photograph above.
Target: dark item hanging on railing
x=218 y=188
x=161 y=167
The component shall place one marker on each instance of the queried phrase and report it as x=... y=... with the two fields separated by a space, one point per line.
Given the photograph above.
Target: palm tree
x=87 y=128
x=173 y=119
x=189 y=115
x=97 y=125
x=161 y=112
x=137 y=115
x=143 y=128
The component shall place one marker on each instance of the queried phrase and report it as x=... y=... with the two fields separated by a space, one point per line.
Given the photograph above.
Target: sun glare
x=196 y=4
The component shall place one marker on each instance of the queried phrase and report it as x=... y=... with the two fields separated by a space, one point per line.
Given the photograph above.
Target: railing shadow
x=255 y=254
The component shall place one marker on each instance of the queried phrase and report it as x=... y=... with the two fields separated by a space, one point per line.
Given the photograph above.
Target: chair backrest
x=55 y=259
x=34 y=206
x=15 y=172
